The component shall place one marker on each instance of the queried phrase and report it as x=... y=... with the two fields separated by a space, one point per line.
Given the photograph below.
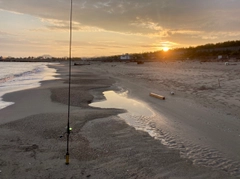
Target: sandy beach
x=193 y=134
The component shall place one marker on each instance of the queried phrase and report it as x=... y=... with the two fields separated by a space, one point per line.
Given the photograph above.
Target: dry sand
x=195 y=132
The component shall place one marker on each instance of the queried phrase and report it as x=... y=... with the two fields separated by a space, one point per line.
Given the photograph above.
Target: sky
x=113 y=27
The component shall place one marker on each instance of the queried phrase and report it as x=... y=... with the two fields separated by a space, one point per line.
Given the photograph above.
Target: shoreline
x=102 y=146
x=18 y=81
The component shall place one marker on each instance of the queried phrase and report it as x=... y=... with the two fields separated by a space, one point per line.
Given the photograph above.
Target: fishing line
x=69 y=87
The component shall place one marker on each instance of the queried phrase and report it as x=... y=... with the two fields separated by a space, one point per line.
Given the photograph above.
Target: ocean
x=16 y=76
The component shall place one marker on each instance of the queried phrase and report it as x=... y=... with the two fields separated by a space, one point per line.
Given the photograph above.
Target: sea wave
x=10 y=77
x=21 y=76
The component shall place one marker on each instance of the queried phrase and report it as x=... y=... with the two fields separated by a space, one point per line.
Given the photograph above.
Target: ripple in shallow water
x=141 y=117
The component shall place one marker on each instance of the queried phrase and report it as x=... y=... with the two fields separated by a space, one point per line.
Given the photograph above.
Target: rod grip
x=67 y=159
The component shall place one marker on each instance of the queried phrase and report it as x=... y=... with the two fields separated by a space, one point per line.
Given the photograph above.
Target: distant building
x=45 y=57
x=125 y=57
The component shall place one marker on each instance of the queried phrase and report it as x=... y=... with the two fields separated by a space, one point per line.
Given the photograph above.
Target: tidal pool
x=138 y=113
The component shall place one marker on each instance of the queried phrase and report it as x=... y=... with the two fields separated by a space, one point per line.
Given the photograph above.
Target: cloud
x=132 y=16
x=53 y=24
x=179 y=21
x=161 y=44
x=146 y=24
x=3 y=33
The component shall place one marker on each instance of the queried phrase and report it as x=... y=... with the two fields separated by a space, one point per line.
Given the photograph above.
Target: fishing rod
x=69 y=87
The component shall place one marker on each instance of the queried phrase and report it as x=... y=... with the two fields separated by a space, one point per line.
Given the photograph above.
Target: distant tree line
x=209 y=52
x=220 y=45
x=38 y=59
x=228 y=50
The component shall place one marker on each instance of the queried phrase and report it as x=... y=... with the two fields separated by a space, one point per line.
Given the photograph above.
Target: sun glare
x=165 y=49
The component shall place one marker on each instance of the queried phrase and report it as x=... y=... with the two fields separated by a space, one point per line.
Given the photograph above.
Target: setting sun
x=165 y=49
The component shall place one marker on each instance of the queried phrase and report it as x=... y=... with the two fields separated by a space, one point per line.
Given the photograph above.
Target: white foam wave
x=20 y=76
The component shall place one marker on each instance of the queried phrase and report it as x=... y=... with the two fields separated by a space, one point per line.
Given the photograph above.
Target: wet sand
x=102 y=145
x=201 y=119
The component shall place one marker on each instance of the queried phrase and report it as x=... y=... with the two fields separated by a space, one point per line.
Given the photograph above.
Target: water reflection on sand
x=136 y=110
